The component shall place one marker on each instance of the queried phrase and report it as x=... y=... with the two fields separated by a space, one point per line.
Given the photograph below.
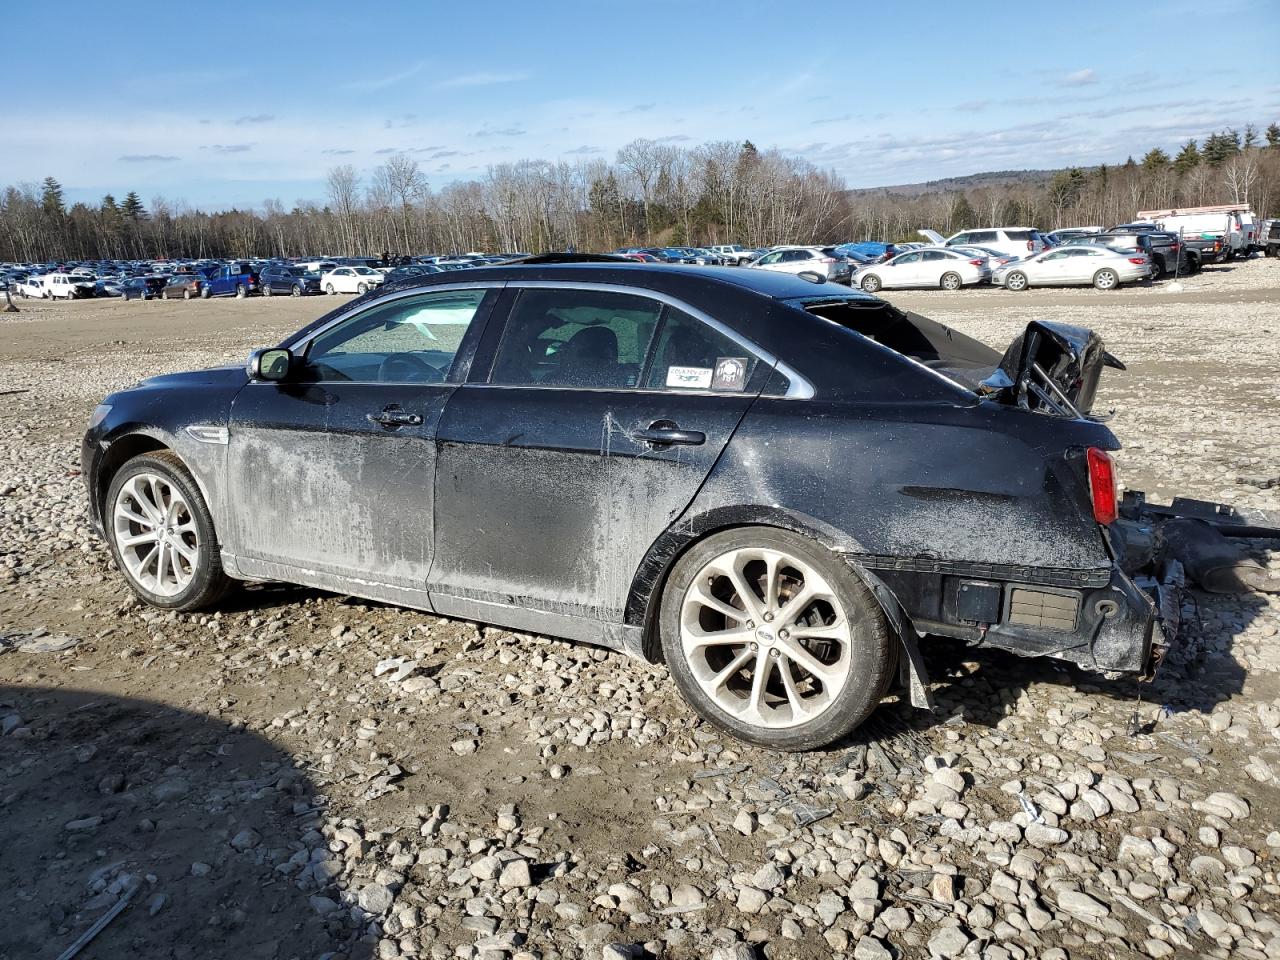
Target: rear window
x=1022 y=235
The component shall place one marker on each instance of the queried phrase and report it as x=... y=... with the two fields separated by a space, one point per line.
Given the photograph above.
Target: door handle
x=393 y=417
x=665 y=432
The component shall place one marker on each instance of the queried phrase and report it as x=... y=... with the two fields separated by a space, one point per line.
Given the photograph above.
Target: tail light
x=976 y=263
x=1103 y=485
x=1031 y=244
x=826 y=259
x=1176 y=246
x=1137 y=259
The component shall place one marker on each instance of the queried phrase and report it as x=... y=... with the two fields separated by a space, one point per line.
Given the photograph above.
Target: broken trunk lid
x=1052 y=368
x=933 y=236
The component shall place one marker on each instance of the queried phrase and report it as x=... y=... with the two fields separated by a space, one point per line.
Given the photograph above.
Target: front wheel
x=164 y=294
x=266 y=289
x=871 y=283
x=297 y=290
x=362 y=288
x=773 y=639
x=206 y=292
x=951 y=281
x=328 y=288
x=1106 y=280
x=161 y=534
x=1015 y=281
x=186 y=294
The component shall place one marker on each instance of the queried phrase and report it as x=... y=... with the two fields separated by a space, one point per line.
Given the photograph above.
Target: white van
x=1014 y=241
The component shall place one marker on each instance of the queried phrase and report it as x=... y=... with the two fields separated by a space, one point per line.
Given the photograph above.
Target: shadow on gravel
x=101 y=796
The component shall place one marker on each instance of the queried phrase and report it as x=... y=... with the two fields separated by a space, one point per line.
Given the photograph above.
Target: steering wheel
x=407 y=366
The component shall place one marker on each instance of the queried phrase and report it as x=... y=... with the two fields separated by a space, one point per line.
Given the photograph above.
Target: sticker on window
x=691 y=378
x=730 y=373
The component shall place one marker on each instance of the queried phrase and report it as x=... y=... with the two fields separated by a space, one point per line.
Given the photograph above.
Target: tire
x=143 y=486
x=164 y=294
x=951 y=281
x=266 y=289
x=186 y=294
x=858 y=653
x=1106 y=279
x=328 y=288
x=206 y=292
x=1016 y=281
x=295 y=291
x=241 y=292
x=1161 y=268
x=870 y=283
x=362 y=288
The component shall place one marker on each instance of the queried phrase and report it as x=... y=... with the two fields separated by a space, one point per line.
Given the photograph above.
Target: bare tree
x=344 y=185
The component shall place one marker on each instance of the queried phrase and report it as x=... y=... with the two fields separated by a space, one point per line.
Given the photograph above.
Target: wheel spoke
x=748 y=596
x=800 y=655
x=826 y=631
x=147 y=536
x=184 y=550
x=795 y=607
x=740 y=660
x=702 y=596
x=134 y=517
x=772 y=578
x=759 y=680
x=799 y=708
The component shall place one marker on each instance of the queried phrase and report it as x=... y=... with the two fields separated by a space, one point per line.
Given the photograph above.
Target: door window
x=983 y=236
x=906 y=258
x=576 y=338
x=690 y=355
x=934 y=255
x=411 y=340
x=769 y=259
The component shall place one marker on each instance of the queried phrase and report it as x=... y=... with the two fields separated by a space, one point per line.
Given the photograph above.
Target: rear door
x=588 y=431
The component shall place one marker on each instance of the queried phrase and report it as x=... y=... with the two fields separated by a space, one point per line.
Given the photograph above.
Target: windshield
x=364 y=271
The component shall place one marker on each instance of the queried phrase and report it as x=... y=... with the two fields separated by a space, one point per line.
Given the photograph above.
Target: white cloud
x=482 y=79
x=1081 y=78
x=390 y=80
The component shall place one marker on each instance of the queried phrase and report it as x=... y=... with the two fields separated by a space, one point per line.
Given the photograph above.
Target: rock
x=174 y=789
x=686 y=895
x=943 y=888
x=751 y=900
x=1040 y=835
x=465 y=747
x=1080 y=904
x=246 y=839
x=515 y=875
x=746 y=823
x=322 y=905
x=948 y=942
x=375 y=898
x=952 y=779
x=199 y=869
x=84 y=825
x=486 y=868
x=869 y=948
x=768 y=877
x=1238 y=857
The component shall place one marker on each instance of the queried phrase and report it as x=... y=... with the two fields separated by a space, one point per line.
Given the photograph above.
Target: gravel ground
x=303 y=775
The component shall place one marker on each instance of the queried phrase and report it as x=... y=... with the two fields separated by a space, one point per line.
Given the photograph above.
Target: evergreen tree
x=1155 y=160
x=1250 y=136
x=1273 y=135
x=1188 y=158
x=1219 y=147
x=1130 y=165
x=109 y=208
x=51 y=198
x=133 y=208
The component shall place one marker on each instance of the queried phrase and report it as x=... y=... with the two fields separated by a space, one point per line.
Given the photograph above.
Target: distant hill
x=973 y=181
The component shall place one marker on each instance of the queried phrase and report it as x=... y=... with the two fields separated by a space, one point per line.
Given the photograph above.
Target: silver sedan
x=1080 y=265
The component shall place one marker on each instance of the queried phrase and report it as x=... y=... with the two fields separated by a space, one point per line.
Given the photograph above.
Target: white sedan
x=1074 y=265
x=350 y=280
x=930 y=267
x=824 y=261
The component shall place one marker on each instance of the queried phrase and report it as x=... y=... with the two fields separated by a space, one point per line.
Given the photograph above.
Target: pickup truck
x=1198 y=250
x=1269 y=237
x=230 y=280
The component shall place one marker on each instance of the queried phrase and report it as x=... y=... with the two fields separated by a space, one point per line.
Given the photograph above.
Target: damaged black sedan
x=775 y=485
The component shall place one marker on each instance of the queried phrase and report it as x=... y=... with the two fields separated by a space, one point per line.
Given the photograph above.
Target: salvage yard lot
x=272 y=778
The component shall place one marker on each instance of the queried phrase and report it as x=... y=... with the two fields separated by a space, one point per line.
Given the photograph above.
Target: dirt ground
x=253 y=784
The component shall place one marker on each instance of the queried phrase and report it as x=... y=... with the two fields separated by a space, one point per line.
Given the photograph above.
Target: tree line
x=651 y=193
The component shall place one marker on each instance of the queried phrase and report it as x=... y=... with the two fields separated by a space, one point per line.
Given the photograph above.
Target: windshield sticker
x=730 y=374
x=691 y=378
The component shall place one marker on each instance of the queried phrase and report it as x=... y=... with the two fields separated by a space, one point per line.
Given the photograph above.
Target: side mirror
x=270 y=364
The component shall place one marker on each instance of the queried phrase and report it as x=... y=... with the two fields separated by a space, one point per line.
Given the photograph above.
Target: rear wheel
x=328 y=288
x=164 y=294
x=206 y=292
x=266 y=289
x=773 y=639
x=870 y=283
x=241 y=292
x=161 y=534
x=186 y=294
x=951 y=281
x=1106 y=279
x=1016 y=281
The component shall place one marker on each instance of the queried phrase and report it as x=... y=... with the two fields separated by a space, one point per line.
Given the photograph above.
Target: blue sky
x=236 y=103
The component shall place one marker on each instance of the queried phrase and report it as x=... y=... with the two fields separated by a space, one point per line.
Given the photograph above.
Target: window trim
x=799 y=386
x=303 y=343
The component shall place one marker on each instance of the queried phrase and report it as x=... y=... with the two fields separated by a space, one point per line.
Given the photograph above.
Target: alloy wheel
x=155 y=534
x=766 y=637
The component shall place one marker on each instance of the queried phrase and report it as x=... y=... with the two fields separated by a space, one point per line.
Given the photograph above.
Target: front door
x=333 y=469
x=584 y=438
